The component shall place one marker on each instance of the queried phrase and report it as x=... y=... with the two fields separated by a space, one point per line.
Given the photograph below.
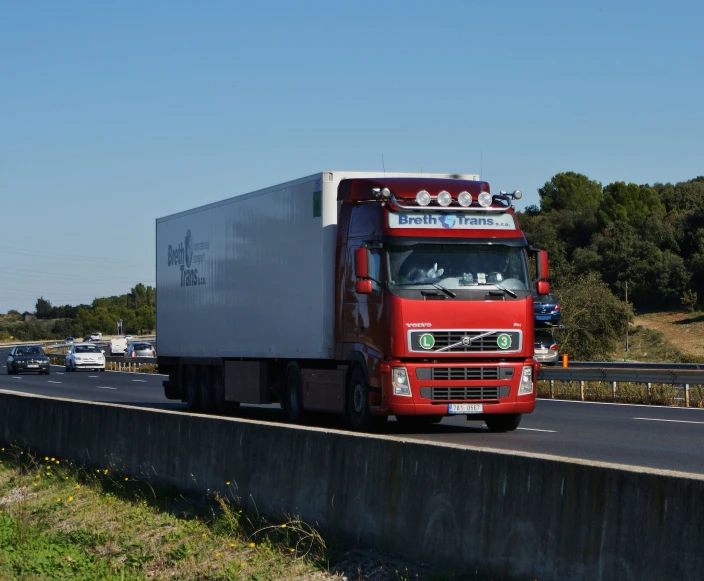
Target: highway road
x=635 y=435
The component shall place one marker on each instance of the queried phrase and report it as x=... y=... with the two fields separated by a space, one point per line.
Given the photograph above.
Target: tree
x=569 y=191
x=629 y=203
x=43 y=309
x=595 y=318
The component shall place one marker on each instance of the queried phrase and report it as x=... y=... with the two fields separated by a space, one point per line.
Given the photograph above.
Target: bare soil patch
x=683 y=330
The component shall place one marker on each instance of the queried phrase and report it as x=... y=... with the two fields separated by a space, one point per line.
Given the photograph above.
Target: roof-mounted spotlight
x=464 y=199
x=485 y=199
x=422 y=198
x=444 y=198
x=517 y=195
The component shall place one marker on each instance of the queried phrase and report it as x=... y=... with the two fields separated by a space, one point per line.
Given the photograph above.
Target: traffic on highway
x=633 y=435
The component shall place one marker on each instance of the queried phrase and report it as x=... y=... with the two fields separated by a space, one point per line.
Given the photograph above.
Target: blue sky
x=115 y=114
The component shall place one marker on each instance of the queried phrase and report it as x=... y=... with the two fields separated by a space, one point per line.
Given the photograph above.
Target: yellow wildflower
x=46 y=457
x=217 y=554
x=227 y=483
x=283 y=526
x=233 y=545
x=252 y=545
x=58 y=500
x=70 y=498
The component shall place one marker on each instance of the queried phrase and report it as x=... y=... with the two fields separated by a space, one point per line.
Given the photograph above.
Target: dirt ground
x=684 y=330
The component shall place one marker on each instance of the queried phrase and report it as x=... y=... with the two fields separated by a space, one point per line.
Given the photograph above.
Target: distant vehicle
x=547 y=309
x=28 y=358
x=69 y=340
x=140 y=349
x=117 y=346
x=86 y=339
x=546 y=349
x=129 y=338
x=96 y=336
x=85 y=356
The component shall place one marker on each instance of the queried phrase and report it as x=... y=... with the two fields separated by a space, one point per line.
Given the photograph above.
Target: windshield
x=457 y=266
x=29 y=351
x=87 y=349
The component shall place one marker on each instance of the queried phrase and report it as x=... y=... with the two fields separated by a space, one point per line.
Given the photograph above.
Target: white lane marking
x=95 y=376
x=622 y=405
x=49 y=381
x=538 y=430
x=673 y=421
x=105 y=387
x=16 y=378
x=140 y=380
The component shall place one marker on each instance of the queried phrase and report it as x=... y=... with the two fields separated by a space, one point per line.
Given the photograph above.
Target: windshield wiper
x=448 y=292
x=503 y=288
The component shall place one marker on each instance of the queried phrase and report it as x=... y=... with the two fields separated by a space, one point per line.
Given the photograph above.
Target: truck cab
x=436 y=301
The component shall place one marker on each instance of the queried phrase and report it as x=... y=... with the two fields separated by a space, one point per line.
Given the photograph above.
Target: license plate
x=32 y=366
x=465 y=408
x=542 y=317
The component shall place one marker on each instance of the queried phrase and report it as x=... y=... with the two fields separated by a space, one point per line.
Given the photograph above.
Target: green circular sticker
x=503 y=341
x=427 y=341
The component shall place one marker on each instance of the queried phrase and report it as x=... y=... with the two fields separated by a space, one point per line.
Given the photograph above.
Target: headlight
x=399 y=378
x=485 y=199
x=444 y=198
x=464 y=199
x=526 y=385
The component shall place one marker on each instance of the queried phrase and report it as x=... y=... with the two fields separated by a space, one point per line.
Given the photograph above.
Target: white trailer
x=253 y=276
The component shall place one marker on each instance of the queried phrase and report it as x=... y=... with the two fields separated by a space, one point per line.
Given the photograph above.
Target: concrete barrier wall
x=509 y=516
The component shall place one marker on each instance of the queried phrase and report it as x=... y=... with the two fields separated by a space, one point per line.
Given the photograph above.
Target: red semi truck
x=356 y=294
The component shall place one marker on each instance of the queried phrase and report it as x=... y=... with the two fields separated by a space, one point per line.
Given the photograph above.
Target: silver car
x=140 y=349
x=546 y=349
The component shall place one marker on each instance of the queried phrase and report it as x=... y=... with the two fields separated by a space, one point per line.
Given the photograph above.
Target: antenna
x=481 y=164
x=383 y=165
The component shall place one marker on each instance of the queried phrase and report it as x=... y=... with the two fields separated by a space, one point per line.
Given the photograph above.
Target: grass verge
x=58 y=521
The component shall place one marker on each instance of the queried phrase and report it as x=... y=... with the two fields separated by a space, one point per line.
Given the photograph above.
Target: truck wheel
x=221 y=406
x=293 y=403
x=503 y=422
x=359 y=416
x=192 y=391
x=205 y=391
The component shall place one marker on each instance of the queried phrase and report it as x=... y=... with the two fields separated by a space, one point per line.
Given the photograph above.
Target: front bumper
x=436 y=385
x=30 y=367
x=90 y=365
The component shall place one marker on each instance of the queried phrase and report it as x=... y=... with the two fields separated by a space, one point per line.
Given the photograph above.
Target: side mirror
x=363 y=287
x=542 y=264
x=361 y=263
x=543 y=287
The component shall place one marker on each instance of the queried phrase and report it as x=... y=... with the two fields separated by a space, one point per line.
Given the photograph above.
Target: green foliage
x=137 y=310
x=689 y=300
x=629 y=203
x=596 y=320
x=569 y=191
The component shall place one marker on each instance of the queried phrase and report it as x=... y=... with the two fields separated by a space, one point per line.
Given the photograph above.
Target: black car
x=547 y=309
x=24 y=358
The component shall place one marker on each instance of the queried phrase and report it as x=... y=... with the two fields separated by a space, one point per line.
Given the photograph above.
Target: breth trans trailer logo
x=183 y=256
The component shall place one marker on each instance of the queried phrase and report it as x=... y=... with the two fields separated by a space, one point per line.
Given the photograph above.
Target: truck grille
x=439 y=394
x=463 y=373
x=465 y=341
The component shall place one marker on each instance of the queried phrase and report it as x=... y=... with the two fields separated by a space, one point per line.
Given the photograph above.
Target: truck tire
x=205 y=389
x=503 y=422
x=359 y=416
x=192 y=391
x=222 y=407
x=293 y=401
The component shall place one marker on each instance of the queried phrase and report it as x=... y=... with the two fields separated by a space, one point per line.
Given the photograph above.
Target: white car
x=85 y=356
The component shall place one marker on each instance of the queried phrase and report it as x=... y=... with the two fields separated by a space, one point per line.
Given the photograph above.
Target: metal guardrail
x=637 y=375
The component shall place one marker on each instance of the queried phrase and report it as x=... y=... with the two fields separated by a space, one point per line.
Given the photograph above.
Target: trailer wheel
x=293 y=402
x=359 y=416
x=221 y=406
x=502 y=422
x=192 y=391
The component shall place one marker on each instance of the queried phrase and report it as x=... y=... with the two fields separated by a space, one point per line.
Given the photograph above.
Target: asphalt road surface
x=656 y=437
